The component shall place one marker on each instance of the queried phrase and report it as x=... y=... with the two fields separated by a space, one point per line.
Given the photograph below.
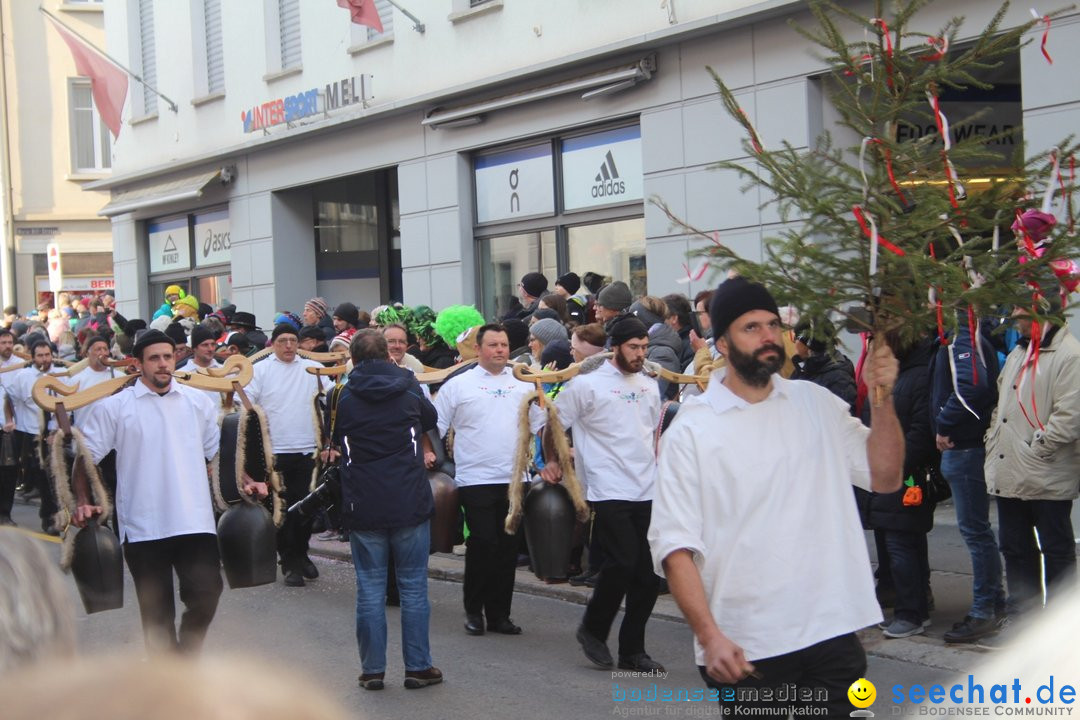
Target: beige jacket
x=1037 y=463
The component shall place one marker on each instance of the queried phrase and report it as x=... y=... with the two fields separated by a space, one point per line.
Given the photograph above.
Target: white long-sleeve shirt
x=286 y=392
x=27 y=413
x=612 y=416
x=84 y=380
x=760 y=494
x=162 y=443
x=483 y=410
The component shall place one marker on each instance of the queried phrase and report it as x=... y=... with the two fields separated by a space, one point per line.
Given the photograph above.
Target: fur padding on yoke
x=252 y=446
x=65 y=494
x=521 y=463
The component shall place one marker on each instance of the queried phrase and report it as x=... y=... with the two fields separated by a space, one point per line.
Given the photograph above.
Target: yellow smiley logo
x=862 y=693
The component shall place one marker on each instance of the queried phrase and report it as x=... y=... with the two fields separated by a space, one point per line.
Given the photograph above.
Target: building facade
x=52 y=145
x=438 y=161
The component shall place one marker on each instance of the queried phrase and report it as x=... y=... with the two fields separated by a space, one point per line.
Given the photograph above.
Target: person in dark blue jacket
x=963 y=394
x=386 y=504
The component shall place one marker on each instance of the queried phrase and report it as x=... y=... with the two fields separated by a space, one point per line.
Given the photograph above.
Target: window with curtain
x=148 y=55
x=91 y=145
x=289 y=25
x=215 y=47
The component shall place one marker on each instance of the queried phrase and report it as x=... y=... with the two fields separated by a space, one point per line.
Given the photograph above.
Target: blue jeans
x=371 y=552
x=964 y=471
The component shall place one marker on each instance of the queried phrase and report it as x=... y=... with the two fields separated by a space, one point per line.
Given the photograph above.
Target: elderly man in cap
x=612 y=301
x=285 y=390
x=163 y=502
x=613 y=413
x=769 y=566
x=245 y=322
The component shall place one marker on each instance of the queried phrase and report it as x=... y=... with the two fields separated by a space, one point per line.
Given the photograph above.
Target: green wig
x=392 y=314
x=422 y=325
x=455 y=320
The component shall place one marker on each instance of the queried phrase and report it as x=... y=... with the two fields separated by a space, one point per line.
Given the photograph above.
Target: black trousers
x=295 y=533
x=1025 y=565
x=490 y=554
x=35 y=475
x=9 y=478
x=197 y=564
x=827 y=668
x=627 y=572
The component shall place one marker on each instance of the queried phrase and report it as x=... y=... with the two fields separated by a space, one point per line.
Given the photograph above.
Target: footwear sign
x=56 y=275
x=169 y=246
x=602 y=168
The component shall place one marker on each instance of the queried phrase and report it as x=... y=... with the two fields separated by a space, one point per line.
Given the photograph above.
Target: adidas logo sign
x=607 y=180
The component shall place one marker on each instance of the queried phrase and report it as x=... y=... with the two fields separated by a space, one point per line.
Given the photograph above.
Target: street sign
x=52 y=256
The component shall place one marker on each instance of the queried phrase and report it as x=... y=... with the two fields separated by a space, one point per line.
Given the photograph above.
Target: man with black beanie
x=770 y=566
x=346 y=322
x=163 y=502
x=613 y=413
x=286 y=390
x=533 y=286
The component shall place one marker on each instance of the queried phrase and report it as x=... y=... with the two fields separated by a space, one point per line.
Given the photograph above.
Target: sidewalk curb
x=919 y=650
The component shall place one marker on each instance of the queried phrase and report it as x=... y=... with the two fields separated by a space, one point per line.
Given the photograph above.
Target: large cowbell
x=246 y=532
x=549 y=529
x=98 y=567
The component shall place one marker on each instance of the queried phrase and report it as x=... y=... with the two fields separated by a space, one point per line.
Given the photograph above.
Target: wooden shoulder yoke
x=438 y=376
x=237 y=369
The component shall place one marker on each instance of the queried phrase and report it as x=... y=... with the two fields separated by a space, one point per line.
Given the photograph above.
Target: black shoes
x=474 y=624
x=294 y=579
x=374 y=681
x=971 y=629
x=640 y=662
x=504 y=627
x=594 y=648
x=587 y=579
x=416 y=679
x=308 y=569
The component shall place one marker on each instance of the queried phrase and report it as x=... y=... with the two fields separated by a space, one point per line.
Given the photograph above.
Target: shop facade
x=451 y=197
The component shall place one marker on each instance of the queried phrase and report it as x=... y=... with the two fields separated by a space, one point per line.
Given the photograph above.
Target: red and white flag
x=108 y=83
x=363 y=12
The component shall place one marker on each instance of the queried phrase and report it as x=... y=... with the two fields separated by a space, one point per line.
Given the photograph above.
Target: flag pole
x=110 y=58
x=418 y=26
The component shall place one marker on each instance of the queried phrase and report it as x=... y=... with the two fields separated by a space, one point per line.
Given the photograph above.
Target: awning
x=187 y=188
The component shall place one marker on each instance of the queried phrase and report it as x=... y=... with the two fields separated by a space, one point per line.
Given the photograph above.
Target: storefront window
x=504 y=260
x=193 y=251
x=615 y=250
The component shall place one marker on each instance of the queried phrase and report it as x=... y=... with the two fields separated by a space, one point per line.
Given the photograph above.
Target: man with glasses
x=285 y=390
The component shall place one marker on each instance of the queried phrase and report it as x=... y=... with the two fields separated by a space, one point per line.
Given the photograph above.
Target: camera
x=323 y=497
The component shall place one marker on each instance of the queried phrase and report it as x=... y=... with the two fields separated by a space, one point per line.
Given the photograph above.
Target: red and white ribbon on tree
x=1045 y=19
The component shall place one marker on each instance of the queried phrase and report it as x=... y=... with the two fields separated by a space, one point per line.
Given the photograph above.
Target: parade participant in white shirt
x=203 y=347
x=754 y=522
x=482 y=405
x=163 y=500
x=30 y=429
x=9 y=473
x=286 y=390
x=613 y=412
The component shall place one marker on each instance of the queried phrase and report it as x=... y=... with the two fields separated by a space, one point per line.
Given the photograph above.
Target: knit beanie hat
x=176 y=333
x=347 y=311
x=557 y=352
x=735 y=297
x=287 y=317
x=318 y=305
x=592 y=282
x=534 y=284
x=284 y=329
x=626 y=328
x=548 y=331
x=569 y=282
x=615 y=296
x=201 y=334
